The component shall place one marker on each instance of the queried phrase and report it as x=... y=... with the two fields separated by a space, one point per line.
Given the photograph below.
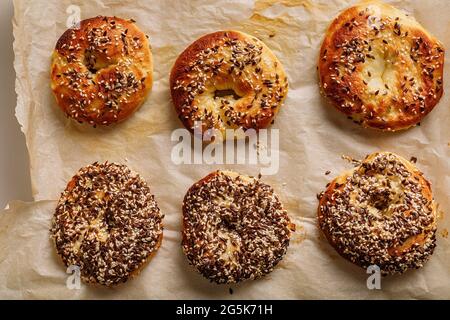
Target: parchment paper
x=312 y=139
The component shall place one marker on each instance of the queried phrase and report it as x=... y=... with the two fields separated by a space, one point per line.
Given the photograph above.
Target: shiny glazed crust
x=228 y=61
x=380 y=67
x=380 y=213
x=101 y=72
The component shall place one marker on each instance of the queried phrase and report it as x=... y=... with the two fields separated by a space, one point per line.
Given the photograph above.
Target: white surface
x=14 y=170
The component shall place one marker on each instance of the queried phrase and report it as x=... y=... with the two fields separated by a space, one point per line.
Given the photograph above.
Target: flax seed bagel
x=101 y=72
x=234 y=227
x=227 y=80
x=380 y=213
x=107 y=223
x=380 y=67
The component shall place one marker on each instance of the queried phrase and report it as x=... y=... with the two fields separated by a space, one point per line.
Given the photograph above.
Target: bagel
x=380 y=67
x=380 y=213
x=107 y=223
x=234 y=227
x=227 y=80
x=101 y=72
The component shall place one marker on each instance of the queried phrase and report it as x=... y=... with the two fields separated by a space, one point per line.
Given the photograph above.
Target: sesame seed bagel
x=102 y=71
x=227 y=80
x=380 y=67
x=380 y=213
x=107 y=223
x=234 y=227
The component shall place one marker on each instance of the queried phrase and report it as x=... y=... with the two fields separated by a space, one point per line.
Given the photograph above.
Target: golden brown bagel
x=107 y=223
x=228 y=80
x=380 y=67
x=380 y=213
x=234 y=227
x=101 y=72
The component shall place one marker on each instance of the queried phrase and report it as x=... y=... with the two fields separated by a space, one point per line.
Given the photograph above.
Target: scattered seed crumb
x=327 y=172
x=413 y=159
x=353 y=161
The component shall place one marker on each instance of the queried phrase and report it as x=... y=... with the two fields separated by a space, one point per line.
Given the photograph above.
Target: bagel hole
x=90 y=60
x=380 y=73
x=226 y=93
x=109 y=220
x=229 y=225
x=381 y=199
x=229 y=221
x=96 y=61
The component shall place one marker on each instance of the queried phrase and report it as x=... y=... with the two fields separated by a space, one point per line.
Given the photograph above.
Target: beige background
x=14 y=172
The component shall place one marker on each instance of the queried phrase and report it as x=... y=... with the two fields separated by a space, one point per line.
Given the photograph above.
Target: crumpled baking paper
x=313 y=136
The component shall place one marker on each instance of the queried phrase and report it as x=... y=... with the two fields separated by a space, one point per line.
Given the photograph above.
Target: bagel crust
x=102 y=71
x=380 y=67
x=107 y=223
x=380 y=213
x=234 y=227
x=227 y=61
